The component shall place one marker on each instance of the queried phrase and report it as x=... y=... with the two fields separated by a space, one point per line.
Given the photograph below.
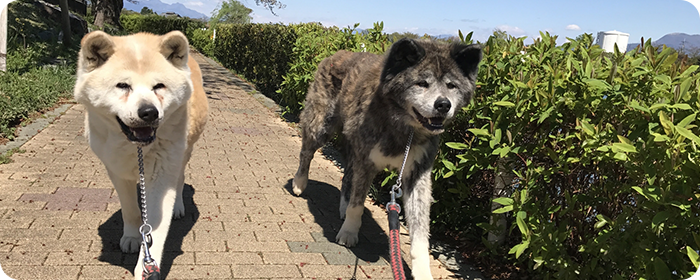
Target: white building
x=608 y=39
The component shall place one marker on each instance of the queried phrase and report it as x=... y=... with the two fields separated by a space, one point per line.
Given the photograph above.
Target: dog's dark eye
x=158 y=86
x=423 y=84
x=124 y=86
x=451 y=85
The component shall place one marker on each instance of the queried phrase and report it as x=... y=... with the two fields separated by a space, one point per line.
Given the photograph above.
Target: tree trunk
x=107 y=12
x=504 y=177
x=65 y=22
x=3 y=37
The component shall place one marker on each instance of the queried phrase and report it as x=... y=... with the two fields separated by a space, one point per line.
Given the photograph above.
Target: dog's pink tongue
x=142 y=132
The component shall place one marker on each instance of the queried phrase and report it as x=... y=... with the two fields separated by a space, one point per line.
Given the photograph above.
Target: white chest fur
x=416 y=154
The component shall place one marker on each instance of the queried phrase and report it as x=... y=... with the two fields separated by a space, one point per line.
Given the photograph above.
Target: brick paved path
x=60 y=216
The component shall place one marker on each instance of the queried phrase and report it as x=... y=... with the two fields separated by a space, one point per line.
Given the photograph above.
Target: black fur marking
x=467 y=58
x=403 y=54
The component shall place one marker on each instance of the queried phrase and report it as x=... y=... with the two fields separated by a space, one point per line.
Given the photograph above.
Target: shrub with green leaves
x=604 y=149
x=315 y=43
x=201 y=39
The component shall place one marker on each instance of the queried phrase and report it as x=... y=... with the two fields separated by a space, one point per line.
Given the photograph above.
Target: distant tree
x=427 y=36
x=500 y=34
x=586 y=38
x=108 y=12
x=393 y=37
x=65 y=22
x=146 y=11
x=271 y=4
x=691 y=55
x=230 y=11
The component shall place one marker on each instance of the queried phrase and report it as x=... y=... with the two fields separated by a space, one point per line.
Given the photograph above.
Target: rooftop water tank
x=608 y=39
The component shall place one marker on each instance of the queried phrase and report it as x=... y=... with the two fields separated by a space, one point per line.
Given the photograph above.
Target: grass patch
x=23 y=94
x=7 y=156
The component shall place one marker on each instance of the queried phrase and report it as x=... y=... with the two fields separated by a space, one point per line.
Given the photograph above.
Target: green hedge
x=280 y=60
x=259 y=52
x=157 y=24
x=198 y=35
x=604 y=150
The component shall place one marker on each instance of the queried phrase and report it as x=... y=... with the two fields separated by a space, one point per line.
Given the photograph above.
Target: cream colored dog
x=146 y=90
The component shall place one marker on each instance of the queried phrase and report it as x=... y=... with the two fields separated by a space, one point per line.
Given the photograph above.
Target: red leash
x=394 y=244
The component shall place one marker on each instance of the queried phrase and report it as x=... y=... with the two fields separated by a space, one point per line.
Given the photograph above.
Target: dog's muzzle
x=434 y=124
x=142 y=135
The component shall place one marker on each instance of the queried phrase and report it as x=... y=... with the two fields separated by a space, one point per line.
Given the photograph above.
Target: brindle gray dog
x=376 y=102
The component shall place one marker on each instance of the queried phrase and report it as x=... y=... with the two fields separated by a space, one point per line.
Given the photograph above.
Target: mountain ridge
x=159 y=7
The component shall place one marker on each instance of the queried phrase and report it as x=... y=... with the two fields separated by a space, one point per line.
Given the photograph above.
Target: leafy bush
x=603 y=147
x=259 y=52
x=315 y=43
x=201 y=39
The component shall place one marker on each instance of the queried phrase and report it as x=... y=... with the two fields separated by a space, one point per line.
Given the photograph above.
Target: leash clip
x=396 y=192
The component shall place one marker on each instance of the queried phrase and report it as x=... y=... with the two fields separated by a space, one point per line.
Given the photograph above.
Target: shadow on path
x=111 y=232
x=323 y=202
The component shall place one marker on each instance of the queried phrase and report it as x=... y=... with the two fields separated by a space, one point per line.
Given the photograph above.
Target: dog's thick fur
x=143 y=90
x=375 y=102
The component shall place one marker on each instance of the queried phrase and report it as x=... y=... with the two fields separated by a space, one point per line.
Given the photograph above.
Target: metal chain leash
x=142 y=191
x=396 y=191
x=150 y=266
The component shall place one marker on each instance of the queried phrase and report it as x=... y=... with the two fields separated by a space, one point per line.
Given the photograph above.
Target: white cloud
x=512 y=30
x=196 y=4
x=573 y=27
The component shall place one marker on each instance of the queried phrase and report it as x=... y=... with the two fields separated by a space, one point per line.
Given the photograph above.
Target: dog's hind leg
x=301 y=178
x=417 y=201
x=317 y=125
x=346 y=189
x=356 y=182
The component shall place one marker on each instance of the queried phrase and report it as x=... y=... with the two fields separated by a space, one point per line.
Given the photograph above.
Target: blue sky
x=519 y=18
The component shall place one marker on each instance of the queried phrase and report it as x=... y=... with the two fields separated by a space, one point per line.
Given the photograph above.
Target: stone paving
x=60 y=217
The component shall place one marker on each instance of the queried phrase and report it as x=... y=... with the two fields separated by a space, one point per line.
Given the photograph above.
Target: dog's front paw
x=348 y=238
x=130 y=244
x=299 y=184
x=178 y=210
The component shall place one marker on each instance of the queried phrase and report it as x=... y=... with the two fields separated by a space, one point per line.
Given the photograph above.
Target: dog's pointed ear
x=95 y=48
x=403 y=54
x=467 y=58
x=175 y=48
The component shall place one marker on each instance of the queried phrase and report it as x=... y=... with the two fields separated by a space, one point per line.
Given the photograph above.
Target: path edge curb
x=26 y=133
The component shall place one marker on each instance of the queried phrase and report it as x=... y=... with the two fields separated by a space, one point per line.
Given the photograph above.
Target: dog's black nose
x=443 y=105
x=148 y=113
